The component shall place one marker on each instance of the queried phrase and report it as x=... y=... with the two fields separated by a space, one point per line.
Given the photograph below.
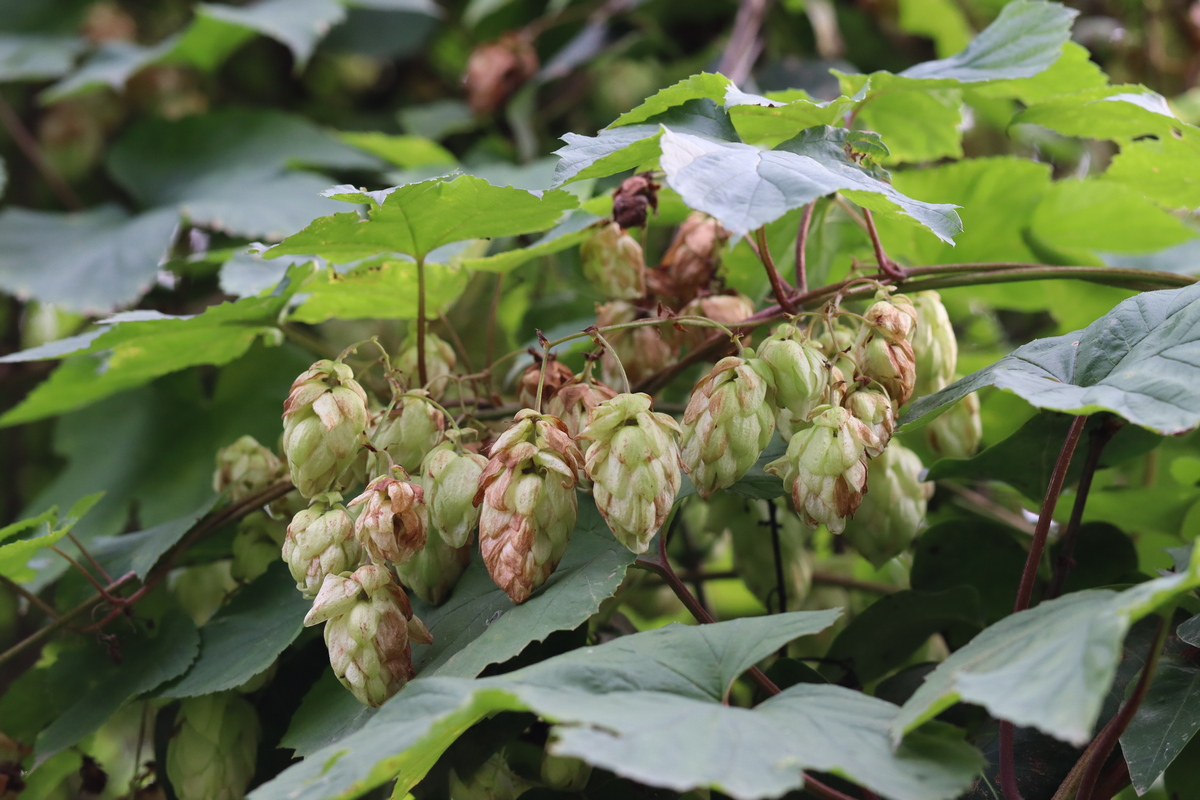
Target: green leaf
x=1165 y=722
x=15 y=556
x=891 y=629
x=26 y=57
x=327 y=714
x=110 y=66
x=140 y=552
x=1111 y=112
x=1026 y=459
x=417 y=218
x=1189 y=631
x=1074 y=71
x=704 y=86
x=298 y=24
x=244 y=637
x=568 y=233
x=409 y=152
x=147 y=663
x=1140 y=361
x=970 y=552
x=383 y=290
x=1106 y=216
x=940 y=20
x=745 y=187
x=86 y=261
x=133 y=353
x=1073 y=645
x=1165 y=169
x=918 y=125
x=770 y=123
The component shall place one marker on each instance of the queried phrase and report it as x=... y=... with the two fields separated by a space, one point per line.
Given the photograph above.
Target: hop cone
x=825 y=468
x=450 y=479
x=245 y=467
x=558 y=375
x=439 y=363
x=754 y=553
x=410 y=431
x=884 y=352
x=391 y=526
x=369 y=624
x=565 y=773
x=494 y=780
x=642 y=351
x=212 y=756
x=324 y=420
x=727 y=309
x=891 y=513
x=633 y=463
x=574 y=402
x=613 y=263
x=728 y=421
x=934 y=345
x=958 y=431
x=874 y=409
x=256 y=545
x=801 y=374
x=527 y=500
x=433 y=572
x=690 y=263
x=320 y=541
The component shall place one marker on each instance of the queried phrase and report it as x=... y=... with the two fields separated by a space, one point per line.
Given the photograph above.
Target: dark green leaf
x=327 y=714
x=299 y=24
x=1165 y=722
x=970 y=552
x=1190 y=631
x=139 y=552
x=1104 y=555
x=1140 y=361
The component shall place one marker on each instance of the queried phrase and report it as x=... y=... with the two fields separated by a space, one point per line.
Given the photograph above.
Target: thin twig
x=980 y=502
x=886 y=265
x=33 y=599
x=743 y=48
x=825 y=791
x=802 y=247
x=782 y=295
x=91 y=559
x=33 y=151
x=846 y=582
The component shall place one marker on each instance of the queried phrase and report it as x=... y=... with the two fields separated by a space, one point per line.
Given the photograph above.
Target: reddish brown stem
x=782 y=295
x=33 y=151
x=422 y=374
x=802 y=248
x=814 y=786
x=1008 y=771
x=886 y=265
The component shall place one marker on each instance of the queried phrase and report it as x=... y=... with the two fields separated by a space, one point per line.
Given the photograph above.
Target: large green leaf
x=1140 y=361
x=1167 y=719
x=245 y=636
x=568 y=233
x=978 y=553
x=1048 y=667
x=87 y=261
x=383 y=290
x=761 y=121
x=417 y=218
x=922 y=125
x=15 y=556
x=664 y=686
x=1104 y=215
x=745 y=187
x=140 y=552
x=704 y=86
x=1111 y=112
x=299 y=24
x=1165 y=168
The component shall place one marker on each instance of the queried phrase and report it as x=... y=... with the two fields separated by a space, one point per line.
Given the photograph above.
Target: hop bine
x=320 y=541
x=527 y=502
x=634 y=464
x=892 y=513
x=324 y=422
x=391 y=526
x=369 y=628
x=213 y=754
x=613 y=263
x=825 y=468
x=728 y=422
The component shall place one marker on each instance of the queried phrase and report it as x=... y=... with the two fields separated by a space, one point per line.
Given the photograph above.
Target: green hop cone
x=245 y=468
x=801 y=374
x=411 y=430
x=565 y=773
x=728 y=422
x=527 y=502
x=324 y=421
x=754 y=551
x=573 y=403
x=256 y=545
x=439 y=363
x=202 y=589
x=613 y=263
x=434 y=571
x=369 y=628
x=958 y=431
x=633 y=463
x=320 y=541
x=212 y=756
x=934 y=345
x=450 y=479
x=874 y=409
x=892 y=513
x=494 y=780
x=391 y=525
x=825 y=468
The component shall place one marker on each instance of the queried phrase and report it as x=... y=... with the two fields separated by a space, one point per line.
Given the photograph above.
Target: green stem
x=600 y=340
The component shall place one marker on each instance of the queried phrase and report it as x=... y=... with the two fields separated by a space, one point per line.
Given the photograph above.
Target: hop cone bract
x=690 y=263
x=369 y=625
x=527 y=500
x=410 y=431
x=874 y=409
x=256 y=545
x=391 y=526
x=633 y=463
x=727 y=309
x=728 y=422
x=245 y=467
x=801 y=374
x=884 y=352
x=433 y=572
x=212 y=757
x=891 y=514
x=613 y=263
x=324 y=421
x=320 y=541
x=574 y=402
x=558 y=375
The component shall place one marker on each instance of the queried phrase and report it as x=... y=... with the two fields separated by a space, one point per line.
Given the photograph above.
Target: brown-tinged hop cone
x=324 y=422
x=391 y=526
x=633 y=200
x=558 y=375
x=320 y=541
x=573 y=403
x=450 y=477
x=497 y=69
x=411 y=430
x=884 y=352
x=728 y=422
x=439 y=363
x=642 y=350
x=634 y=465
x=245 y=468
x=825 y=468
x=892 y=513
x=613 y=263
x=528 y=504
x=369 y=628
x=874 y=409
x=801 y=375
x=958 y=431
x=690 y=264
x=934 y=344
x=213 y=753
x=727 y=309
